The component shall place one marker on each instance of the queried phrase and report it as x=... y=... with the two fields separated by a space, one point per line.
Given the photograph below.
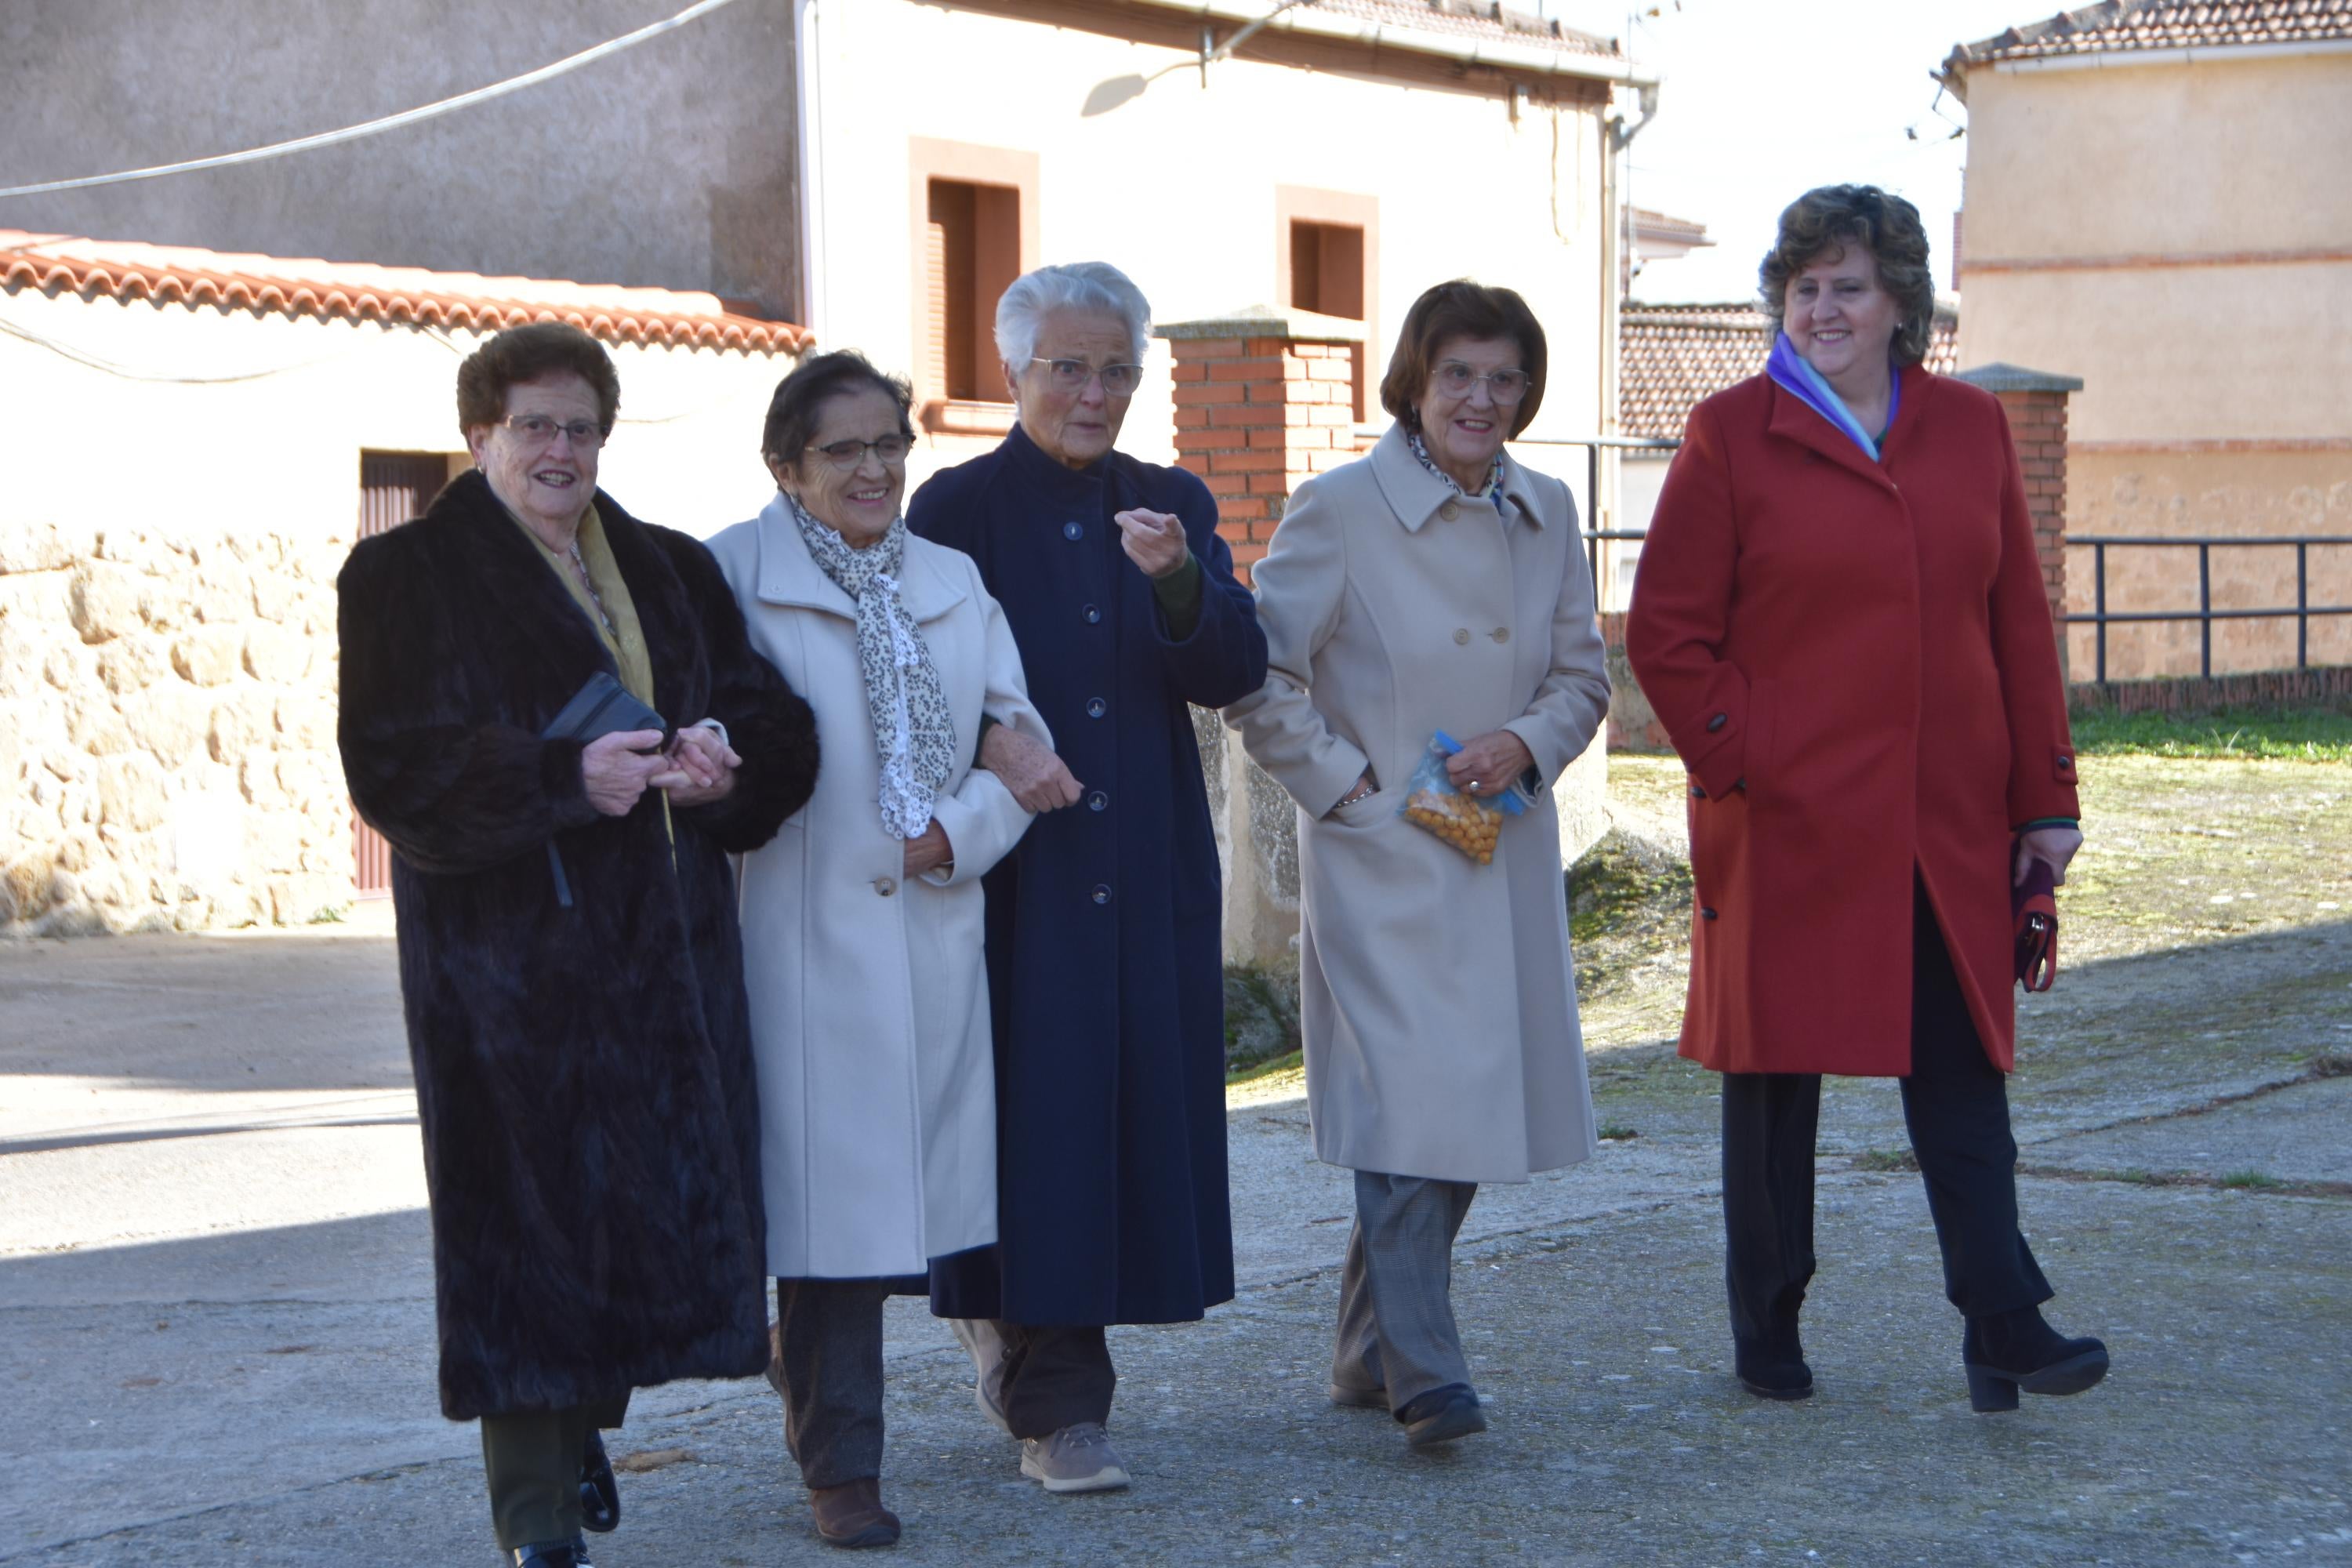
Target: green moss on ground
x=1260 y=1016
x=2230 y=735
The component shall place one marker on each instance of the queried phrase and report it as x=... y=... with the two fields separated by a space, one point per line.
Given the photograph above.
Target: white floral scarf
x=913 y=733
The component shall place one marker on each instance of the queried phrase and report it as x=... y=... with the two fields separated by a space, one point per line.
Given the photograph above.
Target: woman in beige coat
x=1433 y=585
x=862 y=919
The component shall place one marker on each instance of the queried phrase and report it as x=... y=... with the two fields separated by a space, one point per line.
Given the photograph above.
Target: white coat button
x=1501 y=634
x=1462 y=637
x=885 y=886
x=1449 y=512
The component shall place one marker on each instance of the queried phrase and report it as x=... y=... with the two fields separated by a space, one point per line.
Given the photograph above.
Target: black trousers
x=1056 y=1377
x=829 y=1369
x=1955 y=1104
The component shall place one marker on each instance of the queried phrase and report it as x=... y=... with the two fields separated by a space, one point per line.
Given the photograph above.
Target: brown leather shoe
x=852 y=1516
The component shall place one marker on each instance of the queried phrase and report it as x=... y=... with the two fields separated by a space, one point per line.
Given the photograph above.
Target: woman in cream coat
x=862 y=919
x=1433 y=585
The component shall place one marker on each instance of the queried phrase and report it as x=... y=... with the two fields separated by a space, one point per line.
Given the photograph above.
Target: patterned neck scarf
x=913 y=735
x=1492 y=489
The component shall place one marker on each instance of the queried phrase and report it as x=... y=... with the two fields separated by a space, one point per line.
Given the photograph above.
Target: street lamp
x=1110 y=93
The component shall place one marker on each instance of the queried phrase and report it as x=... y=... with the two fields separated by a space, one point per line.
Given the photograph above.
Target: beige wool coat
x=870 y=1001
x=1437 y=998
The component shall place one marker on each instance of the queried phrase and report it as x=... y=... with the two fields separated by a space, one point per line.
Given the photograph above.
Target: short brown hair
x=1461 y=308
x=801 y=397
x=1831 y=217
x=526 y=354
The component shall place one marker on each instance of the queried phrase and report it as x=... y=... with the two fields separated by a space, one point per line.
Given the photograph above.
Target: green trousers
x=531 y=1461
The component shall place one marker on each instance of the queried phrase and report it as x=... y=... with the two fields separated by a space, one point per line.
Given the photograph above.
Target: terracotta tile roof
x=358 y=291
x=1650 y=224
x=1675 y=356
x=2123 y=25
x=1468 y=18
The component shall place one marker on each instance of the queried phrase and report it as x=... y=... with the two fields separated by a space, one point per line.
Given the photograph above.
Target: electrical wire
x=89 y=361
x=389 y=123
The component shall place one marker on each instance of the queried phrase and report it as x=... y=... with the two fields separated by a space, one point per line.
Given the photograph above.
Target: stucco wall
x=167 y=610
x=672 y=164
x=2180 y=235
x=1178 y=186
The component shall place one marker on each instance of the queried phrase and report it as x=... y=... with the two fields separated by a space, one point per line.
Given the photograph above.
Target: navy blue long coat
x=1105 y=965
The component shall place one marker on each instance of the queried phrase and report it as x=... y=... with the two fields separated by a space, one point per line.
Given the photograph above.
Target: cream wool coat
x=1438 y=1001
x=870 y=1001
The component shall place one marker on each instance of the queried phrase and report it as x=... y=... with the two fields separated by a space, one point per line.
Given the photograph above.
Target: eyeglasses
x=1071 y=376
x=539 y=430
x=891 y=449
x=1455 y=380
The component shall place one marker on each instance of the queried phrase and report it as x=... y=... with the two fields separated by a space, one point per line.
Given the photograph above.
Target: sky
x=1762 y=99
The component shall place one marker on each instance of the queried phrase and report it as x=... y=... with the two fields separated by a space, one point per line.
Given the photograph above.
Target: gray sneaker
x=986 y=1346
x=1078 y=1458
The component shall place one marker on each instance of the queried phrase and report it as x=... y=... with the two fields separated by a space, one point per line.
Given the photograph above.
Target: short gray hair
x=1079 y=285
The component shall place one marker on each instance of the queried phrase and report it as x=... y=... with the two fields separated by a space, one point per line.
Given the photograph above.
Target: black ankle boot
x=1774 y=1366
x=2005 y=1353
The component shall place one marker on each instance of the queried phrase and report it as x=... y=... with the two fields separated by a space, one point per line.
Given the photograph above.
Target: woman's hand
x=616 y=769
x=1152 y=540
x=2053 y=846
x=929 y=852
x=1038 y=779
x=1489 y=763
x=701 y=768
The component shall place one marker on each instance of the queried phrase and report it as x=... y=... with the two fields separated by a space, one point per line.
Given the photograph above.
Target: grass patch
x=1271 y=1068
x=2232 y=734
x=2255 y=1180
x=1617 y=1133
x=1885 y=1160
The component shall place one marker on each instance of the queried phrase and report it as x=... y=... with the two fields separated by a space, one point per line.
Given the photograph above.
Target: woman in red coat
x=1840 y=618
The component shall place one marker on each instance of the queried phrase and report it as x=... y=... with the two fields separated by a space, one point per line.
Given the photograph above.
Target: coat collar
x=1052 y=479
x=1415 y=494
x=1794 y=420
x=790 y=576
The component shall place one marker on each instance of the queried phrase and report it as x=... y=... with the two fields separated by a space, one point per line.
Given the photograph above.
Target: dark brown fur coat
x=584 y=1075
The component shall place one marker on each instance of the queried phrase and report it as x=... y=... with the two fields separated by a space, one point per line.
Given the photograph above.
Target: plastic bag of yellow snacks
x=1469 y=823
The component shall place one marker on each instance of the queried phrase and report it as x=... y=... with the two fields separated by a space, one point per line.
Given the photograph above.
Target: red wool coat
x=1856 y=662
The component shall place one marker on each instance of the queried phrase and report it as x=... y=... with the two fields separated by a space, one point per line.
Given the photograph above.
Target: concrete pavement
x=217 y=1294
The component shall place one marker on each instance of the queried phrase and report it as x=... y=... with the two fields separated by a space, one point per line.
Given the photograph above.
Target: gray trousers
x=1396 y=1305
x=531 y=1461
x=829 y=1368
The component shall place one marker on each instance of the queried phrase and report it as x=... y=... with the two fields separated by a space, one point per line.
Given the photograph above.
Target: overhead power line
x=389 y=123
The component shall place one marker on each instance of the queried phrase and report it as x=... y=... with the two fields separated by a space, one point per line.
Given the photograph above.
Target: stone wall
x=167 y=732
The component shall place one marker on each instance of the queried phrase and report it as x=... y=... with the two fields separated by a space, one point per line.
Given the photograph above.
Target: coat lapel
x=1792 y=420
x=790 y=577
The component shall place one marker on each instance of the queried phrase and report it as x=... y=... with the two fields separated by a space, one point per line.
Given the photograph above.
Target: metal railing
x=1594 y=447
x=2205 y=615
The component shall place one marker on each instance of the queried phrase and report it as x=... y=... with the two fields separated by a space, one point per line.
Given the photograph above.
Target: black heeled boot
x=1774 y=1366
x=600 y=1491
x=2006 y=1354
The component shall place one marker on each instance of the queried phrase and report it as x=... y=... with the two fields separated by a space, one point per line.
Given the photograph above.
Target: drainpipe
x=1606 y=481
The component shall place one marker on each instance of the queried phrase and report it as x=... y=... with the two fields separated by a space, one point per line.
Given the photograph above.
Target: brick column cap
x=2003 y=377
x=1264 y=321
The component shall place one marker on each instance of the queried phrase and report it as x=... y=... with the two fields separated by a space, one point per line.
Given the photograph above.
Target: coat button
x=1449 y=512
x=1501 y=634
x=1706 y=915
x=1462 y=637
x=1102 y=892
x=1718 y=722
x=1097 y=707
x=885 y=886
x=1074 y=531
x=1697 y=794
x=1091 y=613
x=1097 y=801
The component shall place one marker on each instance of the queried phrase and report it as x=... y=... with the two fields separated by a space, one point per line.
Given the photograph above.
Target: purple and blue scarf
x=1788 y=367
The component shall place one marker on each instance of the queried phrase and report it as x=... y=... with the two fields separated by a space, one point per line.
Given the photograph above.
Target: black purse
x=600 y=708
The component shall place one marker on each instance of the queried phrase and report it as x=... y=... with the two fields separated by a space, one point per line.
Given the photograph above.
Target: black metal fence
x=2205 y=615
x=1594 y=447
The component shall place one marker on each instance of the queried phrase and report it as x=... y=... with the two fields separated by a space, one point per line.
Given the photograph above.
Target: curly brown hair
x=1461 y=308
x=1826 y=220
x=526 y=354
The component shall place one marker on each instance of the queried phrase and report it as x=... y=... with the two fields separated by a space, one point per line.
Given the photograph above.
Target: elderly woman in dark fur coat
x=568 y=958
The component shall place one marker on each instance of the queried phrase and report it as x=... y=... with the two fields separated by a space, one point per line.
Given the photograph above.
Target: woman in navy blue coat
x=1104 y=959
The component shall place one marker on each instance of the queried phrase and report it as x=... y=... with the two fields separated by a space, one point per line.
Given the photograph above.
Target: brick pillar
x=2035 y=402
x=1264 y=399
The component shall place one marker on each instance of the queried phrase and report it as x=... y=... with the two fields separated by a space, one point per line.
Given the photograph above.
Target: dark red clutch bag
x=2033 y=907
